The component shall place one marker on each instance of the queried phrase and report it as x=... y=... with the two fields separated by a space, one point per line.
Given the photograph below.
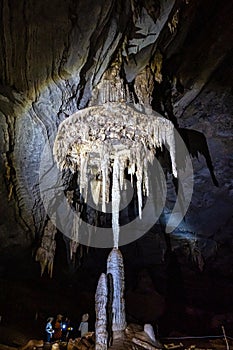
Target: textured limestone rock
x=144 y=40
x=123 y=335
x=148 y=329
x=115 y=266
x=140 y=338
x=101 y=296
x=46 y=252
x=109 y=303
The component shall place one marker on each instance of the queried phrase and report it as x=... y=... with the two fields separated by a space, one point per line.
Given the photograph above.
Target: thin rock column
x=101 y=297
x=115 y=267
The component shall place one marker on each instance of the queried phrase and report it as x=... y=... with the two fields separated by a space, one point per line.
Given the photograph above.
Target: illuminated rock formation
x=101 y=335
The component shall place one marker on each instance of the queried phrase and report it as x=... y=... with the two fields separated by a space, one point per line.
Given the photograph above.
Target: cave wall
x=48 y=68
x=54 y=53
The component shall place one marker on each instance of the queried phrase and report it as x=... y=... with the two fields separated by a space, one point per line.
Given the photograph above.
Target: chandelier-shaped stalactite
x=104 y=142
x=46 y=252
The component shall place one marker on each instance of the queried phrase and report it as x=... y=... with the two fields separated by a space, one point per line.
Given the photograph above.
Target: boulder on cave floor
x=84 y=343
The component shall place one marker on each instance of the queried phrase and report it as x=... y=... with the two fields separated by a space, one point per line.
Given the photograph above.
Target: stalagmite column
x=116 y=268
x=101 y=297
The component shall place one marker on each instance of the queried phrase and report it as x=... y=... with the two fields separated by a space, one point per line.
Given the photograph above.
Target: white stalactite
x=74 y=243
x=116 y=198
x=105 y=187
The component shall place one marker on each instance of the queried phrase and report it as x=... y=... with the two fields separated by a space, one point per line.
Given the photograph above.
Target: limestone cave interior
x=166 y=58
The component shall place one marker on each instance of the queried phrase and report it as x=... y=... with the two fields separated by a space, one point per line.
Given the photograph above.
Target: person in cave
x=49 y=329
x=83 y=327
x=58 y=328
x=66 y=329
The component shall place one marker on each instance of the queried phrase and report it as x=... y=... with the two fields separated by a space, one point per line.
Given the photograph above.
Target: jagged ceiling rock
x=144 y=36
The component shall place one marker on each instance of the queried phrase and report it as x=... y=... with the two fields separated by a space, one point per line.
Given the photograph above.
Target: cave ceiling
x=53 y=57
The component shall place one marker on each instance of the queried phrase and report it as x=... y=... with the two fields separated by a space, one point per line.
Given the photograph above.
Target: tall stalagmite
x=115 y=267
x=101 y=295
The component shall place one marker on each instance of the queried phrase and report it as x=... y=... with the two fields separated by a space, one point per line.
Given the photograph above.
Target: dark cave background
x=53 y=53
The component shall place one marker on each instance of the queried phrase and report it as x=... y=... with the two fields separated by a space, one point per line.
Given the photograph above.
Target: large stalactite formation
x=64 y=65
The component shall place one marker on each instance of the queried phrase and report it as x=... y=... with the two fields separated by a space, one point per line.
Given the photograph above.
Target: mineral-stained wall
x=53 y=53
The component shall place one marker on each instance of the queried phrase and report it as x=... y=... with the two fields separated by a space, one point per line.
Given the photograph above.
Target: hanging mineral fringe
x=124 y=128
x=108 y=140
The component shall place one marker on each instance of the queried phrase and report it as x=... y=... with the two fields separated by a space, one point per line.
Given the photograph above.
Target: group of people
x=60 y=330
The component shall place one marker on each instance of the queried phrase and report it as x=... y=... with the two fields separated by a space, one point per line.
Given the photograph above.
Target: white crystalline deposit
x=115 y=266
x=104 y=141
x=101 y=297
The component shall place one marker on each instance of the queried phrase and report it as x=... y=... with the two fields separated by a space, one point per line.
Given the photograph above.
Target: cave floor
x=13 y=336
x=206 y=307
